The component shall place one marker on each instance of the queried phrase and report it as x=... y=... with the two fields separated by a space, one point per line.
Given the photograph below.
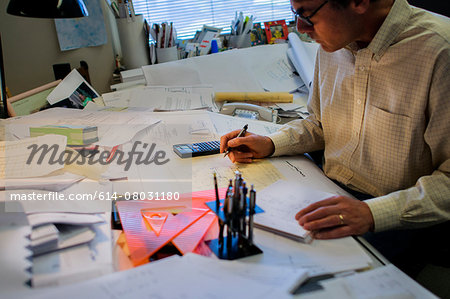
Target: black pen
x=241 y=133
x=251 y=212
x=217 y=194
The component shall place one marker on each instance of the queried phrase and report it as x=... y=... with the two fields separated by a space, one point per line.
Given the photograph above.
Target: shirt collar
x=393 y=25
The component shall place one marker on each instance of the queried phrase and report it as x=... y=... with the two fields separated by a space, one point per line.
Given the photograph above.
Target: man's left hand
x=336 y=217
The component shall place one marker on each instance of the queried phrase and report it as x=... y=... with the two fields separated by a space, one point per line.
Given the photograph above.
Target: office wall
x=30 y=48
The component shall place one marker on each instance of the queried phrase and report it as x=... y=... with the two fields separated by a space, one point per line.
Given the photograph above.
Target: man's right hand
x=245 y=149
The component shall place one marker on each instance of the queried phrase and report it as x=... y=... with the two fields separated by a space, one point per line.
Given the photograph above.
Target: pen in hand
x=241 y=133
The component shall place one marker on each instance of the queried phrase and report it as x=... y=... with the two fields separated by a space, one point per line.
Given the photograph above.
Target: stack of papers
x=50 y=237
x=76 y=135
x=68 y=241
x=14 y=253
x=69 y=247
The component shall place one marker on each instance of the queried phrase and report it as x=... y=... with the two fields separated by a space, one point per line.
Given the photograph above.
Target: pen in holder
x=165 y=37
x=240 y=41
x=241 y=28
x=132 y=42
x=166 y=54
x=235 y=216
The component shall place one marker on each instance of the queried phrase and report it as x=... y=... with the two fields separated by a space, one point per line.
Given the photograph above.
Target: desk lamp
x=52 y=9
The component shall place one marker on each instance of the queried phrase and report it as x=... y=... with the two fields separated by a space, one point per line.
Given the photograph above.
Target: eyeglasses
x=306 y=19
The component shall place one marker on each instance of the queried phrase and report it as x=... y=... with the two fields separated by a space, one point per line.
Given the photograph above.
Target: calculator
x=197 y=149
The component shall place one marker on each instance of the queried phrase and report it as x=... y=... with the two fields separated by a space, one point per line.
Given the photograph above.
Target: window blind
x=188 y=16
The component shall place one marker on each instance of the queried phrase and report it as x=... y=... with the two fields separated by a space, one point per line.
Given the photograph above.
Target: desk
x=270 y=243
x=193 y=126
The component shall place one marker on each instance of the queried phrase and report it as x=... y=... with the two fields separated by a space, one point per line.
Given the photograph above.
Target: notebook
x=281 y=201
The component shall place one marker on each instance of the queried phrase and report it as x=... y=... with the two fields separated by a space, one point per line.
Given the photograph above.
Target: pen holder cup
x=240 y=41
x=166 y=54
x=133 y=42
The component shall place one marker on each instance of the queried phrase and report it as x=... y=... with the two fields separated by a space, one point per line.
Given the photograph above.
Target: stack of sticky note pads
x=76 y=135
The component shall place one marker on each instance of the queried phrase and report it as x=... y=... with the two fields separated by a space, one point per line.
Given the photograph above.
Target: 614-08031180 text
x=57 y=196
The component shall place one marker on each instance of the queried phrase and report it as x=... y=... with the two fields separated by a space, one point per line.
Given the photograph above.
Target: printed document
x=164 y=98
x=260 y=173
x=15 y=154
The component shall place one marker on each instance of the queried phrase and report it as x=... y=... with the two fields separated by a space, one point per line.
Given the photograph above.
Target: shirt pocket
x=387 y=143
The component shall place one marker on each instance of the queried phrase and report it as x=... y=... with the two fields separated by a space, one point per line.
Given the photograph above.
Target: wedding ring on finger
x=341 y=218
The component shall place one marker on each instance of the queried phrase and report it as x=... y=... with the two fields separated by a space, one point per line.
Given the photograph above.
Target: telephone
x=249 y=111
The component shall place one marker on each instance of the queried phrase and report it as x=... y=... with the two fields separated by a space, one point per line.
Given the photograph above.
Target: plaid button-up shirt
x=382 y=114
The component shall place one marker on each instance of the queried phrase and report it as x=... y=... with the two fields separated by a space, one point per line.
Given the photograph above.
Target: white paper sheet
x=278 y=76
x=17 y=161
x=281 y=201
x=233 y=70
x=226 y=123
x=304 y=172
x=121 y=98
x=303 y=57
x=114 y=127
x=44 y=231
x=282 y=278
x=56 y=182
x=260 y=173
x=180 y=72
x=168 y=101
x=386 y=282
x=69 y=86
x=163 y=98
x=65 y=218
x=318 y=257
x=182 y=277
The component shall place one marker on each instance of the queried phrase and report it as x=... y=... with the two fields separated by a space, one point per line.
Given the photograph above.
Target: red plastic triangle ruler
x=155 y=219
x=142 y=238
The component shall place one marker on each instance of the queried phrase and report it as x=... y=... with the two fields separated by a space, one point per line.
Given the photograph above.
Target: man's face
x=333 y=28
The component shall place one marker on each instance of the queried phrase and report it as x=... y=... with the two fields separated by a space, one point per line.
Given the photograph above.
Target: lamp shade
x=47 y=8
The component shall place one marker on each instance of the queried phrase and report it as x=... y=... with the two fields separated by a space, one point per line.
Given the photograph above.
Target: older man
x=380 y=110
